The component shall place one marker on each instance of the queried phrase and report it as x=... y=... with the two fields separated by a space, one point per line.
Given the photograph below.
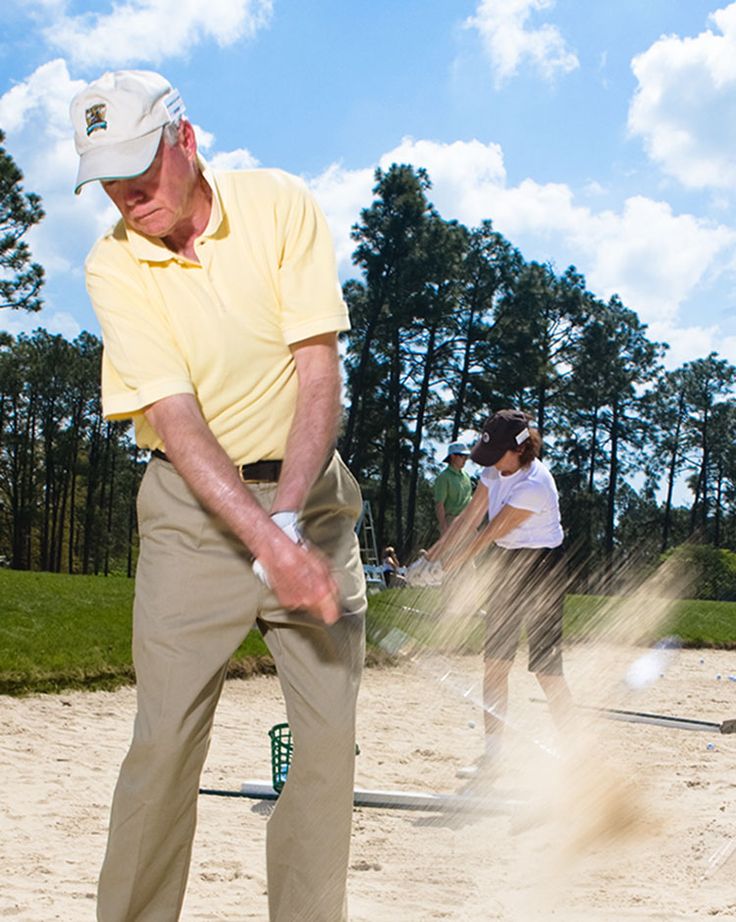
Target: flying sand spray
x=580 y=797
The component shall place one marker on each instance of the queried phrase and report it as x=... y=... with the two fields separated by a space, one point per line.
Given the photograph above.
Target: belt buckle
x=243 y=479
x=262 y=471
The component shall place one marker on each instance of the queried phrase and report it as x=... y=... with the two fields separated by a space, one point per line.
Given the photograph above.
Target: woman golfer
x=519 y=495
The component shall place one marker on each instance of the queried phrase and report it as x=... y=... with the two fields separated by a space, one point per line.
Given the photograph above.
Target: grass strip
x=60 y=632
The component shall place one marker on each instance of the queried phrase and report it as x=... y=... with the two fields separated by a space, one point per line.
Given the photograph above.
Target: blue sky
x=592 y=133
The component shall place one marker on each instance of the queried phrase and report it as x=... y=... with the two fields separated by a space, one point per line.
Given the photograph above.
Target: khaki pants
x=196 y=599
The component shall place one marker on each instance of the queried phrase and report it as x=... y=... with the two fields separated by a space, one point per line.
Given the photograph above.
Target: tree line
x=68 y=478
x=449 y=324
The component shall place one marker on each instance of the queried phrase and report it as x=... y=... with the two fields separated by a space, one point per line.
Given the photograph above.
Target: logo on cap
x=95 y=118
x=485 y=437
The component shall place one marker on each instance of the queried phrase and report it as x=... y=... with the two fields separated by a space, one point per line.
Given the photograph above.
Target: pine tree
x=20 y=279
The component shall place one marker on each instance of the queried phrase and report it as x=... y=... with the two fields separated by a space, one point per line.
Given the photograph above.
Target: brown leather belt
x=266 y=471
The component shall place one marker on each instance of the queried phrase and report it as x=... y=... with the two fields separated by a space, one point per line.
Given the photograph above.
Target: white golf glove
x=288 y=522
x=424 y=572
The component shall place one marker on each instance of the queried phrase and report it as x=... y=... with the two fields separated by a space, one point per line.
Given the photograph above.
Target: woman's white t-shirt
x=532 y=488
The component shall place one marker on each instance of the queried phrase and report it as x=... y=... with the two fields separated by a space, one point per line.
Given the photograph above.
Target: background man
x=453 y=487
x=219 y=304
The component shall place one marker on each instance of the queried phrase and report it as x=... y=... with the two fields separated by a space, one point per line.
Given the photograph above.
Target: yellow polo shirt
x=219 y=329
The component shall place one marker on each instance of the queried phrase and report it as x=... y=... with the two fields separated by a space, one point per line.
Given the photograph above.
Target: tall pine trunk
x=418 y=435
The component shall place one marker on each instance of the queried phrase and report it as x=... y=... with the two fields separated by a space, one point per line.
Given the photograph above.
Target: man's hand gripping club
x=299 y=576
x=312 y=577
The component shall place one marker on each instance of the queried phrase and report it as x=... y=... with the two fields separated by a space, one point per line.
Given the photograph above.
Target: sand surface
x=639 y=823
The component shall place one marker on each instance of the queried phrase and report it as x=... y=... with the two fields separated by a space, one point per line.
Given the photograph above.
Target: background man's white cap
x=118 y=121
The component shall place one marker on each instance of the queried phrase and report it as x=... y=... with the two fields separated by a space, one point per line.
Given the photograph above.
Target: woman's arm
x=462 y=528
x=505 y=522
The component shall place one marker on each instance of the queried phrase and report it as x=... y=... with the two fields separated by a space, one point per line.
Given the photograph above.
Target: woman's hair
x=530 y=448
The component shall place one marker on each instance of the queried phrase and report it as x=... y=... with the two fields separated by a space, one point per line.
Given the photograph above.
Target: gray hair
x=171 y=132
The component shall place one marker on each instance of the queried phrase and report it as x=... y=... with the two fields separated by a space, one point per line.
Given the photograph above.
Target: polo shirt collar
x=154 y=250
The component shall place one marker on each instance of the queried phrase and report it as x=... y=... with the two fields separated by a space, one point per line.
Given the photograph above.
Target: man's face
x=458 y=461
x=157 y=202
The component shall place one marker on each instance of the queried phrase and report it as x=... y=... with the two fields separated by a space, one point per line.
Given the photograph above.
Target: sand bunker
x=629 y=822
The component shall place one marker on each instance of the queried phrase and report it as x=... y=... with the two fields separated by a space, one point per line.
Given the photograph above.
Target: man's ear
x=187 y=138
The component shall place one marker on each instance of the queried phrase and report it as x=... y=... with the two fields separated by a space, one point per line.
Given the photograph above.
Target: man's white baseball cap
x=118 y=121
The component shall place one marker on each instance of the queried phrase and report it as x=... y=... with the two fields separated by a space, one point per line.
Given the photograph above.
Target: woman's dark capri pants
x=528 y=589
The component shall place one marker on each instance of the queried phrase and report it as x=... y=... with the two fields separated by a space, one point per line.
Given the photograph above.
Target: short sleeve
x=310 y=293
x=141 y=361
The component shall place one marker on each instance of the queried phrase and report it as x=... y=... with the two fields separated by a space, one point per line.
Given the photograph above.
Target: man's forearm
x=208 y=471
x=313 y=433
x=298 y=575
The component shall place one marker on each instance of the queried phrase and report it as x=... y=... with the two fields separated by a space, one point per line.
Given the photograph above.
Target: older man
x=219 y=306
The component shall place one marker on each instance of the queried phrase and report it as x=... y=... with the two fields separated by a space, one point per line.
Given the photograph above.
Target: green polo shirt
x=453 y=489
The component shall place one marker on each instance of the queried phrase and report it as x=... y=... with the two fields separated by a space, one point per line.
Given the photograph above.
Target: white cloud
x=510 y=43
x=205 y=139
x=341 y=194
x=725 y=346
x=684 y=107
x=653 y=258
x=239 y=159
x=41 y=100
x=691 y=342
x=151 y=30
x=593 y=188
x=16 y=322
x=35 y=115
x=456 y=162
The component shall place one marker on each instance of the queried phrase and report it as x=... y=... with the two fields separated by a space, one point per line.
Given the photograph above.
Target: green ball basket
x=281 y=750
